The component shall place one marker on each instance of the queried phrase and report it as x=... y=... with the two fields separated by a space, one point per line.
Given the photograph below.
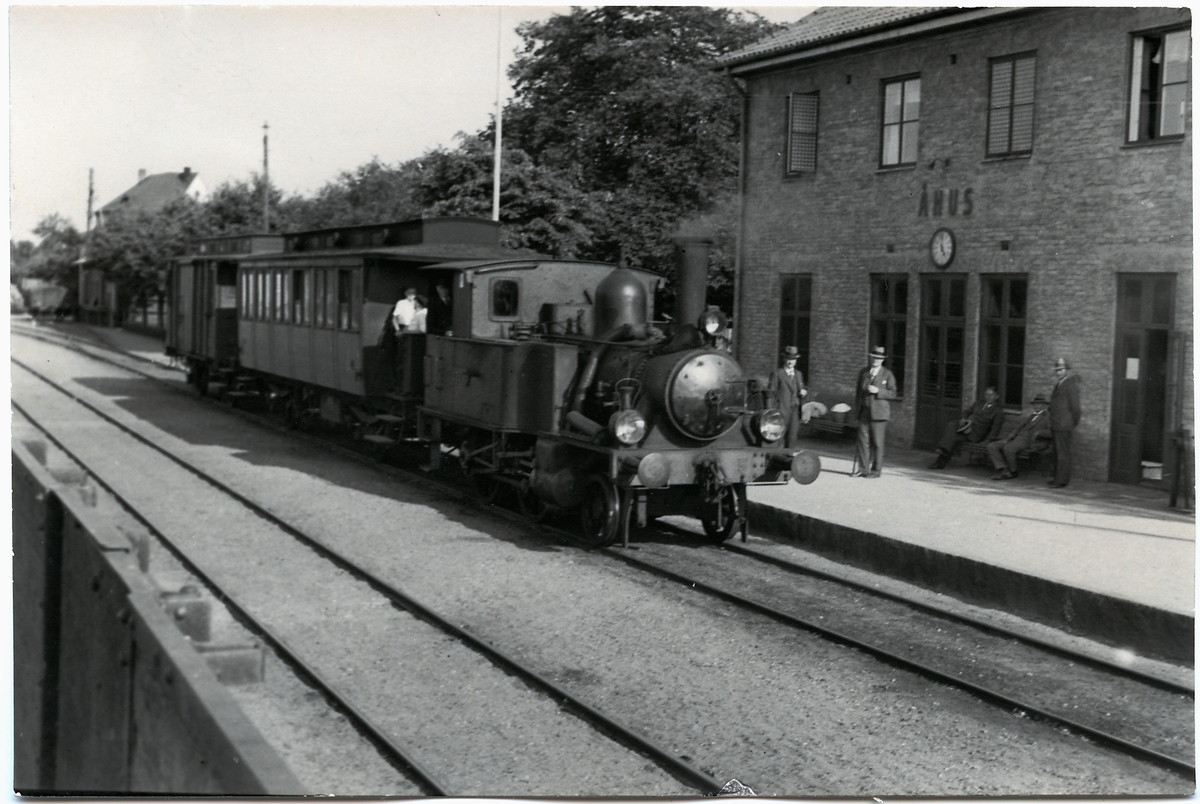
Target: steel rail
x=678 y=767
x=1175 y=764
x=999 y=630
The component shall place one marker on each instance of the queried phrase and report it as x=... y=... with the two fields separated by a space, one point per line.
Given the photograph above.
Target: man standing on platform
x=876 y=385
x=1064 y=416
x=1031 y=434
x=980 y=422
x=787 y=383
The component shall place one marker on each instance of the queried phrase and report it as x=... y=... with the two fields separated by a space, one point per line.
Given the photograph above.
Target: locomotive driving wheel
x=479 y=471
x=600 y=514
x=724 y=512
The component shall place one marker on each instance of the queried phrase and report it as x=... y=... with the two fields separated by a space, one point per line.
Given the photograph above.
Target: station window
x=506 y=298
x=795 y=313
x=802 y=133
x=1002 y=337
x=889 y=320
x=1159 y=86
x=901 y=121
x=1010 y=105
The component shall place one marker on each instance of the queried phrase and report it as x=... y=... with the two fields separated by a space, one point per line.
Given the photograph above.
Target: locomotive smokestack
x=692 y=290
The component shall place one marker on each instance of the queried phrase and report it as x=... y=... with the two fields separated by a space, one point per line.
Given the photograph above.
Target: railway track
x=404 y=755
x=985 y=668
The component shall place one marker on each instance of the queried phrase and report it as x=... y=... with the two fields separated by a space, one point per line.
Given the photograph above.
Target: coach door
x=940 y=373
x=1145 y=310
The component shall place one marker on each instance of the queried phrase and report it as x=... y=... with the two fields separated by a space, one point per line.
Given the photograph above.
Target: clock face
x=941 y=247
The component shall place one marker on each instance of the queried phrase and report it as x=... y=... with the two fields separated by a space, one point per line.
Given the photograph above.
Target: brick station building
x=980 y=191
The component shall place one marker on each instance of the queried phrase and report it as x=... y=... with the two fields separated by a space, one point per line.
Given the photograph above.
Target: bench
x=1012 y=419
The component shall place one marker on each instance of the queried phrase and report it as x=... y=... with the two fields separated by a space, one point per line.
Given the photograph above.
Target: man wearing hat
x=1064 y=416
x=980 y=422
x=1033 y=433
x=787 y=383
x=876 y=385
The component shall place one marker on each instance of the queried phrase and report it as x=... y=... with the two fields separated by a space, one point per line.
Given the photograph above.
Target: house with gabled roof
x=154 y=192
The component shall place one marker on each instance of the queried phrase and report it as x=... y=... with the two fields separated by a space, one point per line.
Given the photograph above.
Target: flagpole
x=499 y=126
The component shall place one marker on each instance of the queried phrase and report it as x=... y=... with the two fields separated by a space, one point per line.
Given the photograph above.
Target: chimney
x=141 y=174
x=691 y=291
x=186 y=175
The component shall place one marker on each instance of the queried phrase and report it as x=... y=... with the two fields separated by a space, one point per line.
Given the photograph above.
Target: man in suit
x=787 y=383
x=1032 y=433
x=876 y=385
x=1064 y=416
x=979 y=422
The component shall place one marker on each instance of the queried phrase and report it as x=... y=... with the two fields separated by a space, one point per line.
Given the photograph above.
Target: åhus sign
x=945 y=201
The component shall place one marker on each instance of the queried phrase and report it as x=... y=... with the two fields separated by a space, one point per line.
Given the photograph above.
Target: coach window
x=1002 y=337
x=318 y=297
x=901 y=121
x=802 y=133
x=346 y=318
x=244 y=295
x=889 y=320
x=1010 y=105
x=506 y=297
x=1158 y=86
x=298 y=308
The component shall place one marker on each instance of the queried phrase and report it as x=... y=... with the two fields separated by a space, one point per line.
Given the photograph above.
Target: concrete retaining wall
x=1122 y=623
x=109 y=697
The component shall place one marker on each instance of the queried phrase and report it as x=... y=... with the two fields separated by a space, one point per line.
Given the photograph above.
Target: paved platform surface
x=1105 y=541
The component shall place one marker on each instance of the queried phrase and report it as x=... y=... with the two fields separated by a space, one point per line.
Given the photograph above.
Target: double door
x=942 y=354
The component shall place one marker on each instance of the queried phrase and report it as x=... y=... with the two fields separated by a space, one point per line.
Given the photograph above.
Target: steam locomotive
x=550 y=380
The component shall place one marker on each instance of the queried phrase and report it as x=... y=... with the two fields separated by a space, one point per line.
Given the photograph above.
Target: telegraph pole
x=266 y=191
x=87 y=236
x=499 y=73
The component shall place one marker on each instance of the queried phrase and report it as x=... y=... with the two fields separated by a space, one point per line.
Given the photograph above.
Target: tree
x=236 y=208
x=54 y=256
x=623 y=102
x=370 y=193
x=539 y=208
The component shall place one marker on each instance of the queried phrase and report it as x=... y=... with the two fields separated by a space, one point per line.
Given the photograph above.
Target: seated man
x=980 y=421
x=1033 y=433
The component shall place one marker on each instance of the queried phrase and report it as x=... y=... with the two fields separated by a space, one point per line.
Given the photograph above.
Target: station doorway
x=940 y=367
x=1141 y=435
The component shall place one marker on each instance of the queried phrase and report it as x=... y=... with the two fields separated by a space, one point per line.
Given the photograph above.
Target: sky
x=118 y=89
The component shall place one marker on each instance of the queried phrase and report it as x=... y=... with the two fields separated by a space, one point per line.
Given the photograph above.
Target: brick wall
x=1078 y=211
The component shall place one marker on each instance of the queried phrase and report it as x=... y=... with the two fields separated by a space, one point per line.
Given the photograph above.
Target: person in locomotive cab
x=876 y=385
x=787 y=383
x=420 y=315
x=440 y=318
x=980 y=422
x=405 y=310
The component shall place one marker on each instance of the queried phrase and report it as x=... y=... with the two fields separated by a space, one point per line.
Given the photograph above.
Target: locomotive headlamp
x=712 y=322
x=770 y=424
x=627 y=426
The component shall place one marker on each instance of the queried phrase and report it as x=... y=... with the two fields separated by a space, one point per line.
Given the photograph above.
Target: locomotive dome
x=620 y=299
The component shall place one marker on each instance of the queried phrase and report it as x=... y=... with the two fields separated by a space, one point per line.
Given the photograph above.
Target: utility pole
x=266 y=191
x=87 y=236
x=499 y=74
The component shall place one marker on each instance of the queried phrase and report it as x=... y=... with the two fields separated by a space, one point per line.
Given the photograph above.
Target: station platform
x=1102 y=560
x=1106 y=561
